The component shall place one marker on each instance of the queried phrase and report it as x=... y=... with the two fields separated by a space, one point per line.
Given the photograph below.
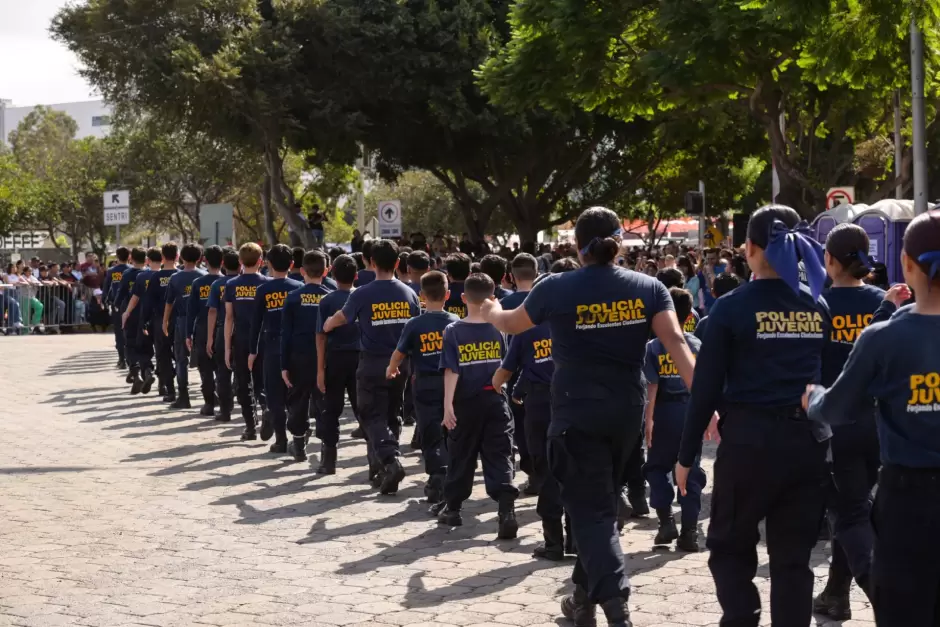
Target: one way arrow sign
x=117 y=208
x=390 y=218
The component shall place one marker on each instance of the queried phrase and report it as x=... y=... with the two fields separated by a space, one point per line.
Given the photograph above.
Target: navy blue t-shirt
x=762 y=347
x=270 y=300
x=364 y=277
x=600 y=319
x=178 y=291
x=501 y=292
x=112 y=281
x=155 y=297
x=422 y=340
x=197 y=304
x=381 y=309
x=344 y=338
x=852 y=310
x=217 y=299
x=530 y=354
x=299 y=321
x=700 y=328
x=661 y=370
x=474 y=350
x=240 y=291
x=455 y=304
x=897 y=363
x=126 y=287
x=512 y=300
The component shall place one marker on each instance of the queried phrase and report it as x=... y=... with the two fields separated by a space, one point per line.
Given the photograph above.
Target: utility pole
x=701 y=218
x=919 y=118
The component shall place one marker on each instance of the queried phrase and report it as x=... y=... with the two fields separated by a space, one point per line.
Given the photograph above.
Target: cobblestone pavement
x=118 y=512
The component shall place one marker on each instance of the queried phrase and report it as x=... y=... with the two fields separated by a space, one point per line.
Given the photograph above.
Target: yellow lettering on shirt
x=846 y=329
x=310 y=299
x=398 y=310
x=164 y=281
x=245 y=291
x=274 y=300
x=458 y=310
x=204 y=291
x=542 y=349
x=925 y=393
x=480 y=352
x=432 y=342
x=614 y=314
x=116 y=277
x=187 y=290
x=667 y=368
x=221 y=292
x=690 y=324
x=789 y=324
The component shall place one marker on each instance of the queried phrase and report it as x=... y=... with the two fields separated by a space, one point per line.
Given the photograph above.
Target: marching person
x=239 y=309
x=174 y=317
x=197 y=330
x=855 y=450
x=898 y=363
x=270 y=299
x=125 y=289
x=381 y=308
x=600 y=318
x=136 y=325
x=299 y=351
x=215 y=340
x=112 y=282
x=153 y=309
x=422 y=341
x=337 y=361
x=763 y=345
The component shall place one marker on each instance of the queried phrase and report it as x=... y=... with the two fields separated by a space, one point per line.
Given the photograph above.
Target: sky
x=34 y=69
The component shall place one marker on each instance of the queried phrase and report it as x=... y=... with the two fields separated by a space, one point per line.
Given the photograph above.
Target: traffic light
x=694 y=203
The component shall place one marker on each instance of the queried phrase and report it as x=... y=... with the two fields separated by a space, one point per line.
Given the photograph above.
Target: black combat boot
x=148 y=380
x=122 y=365
x=267 y=426
x=624 y=509
x=553 y=548
x=617 y=612
x=833 y=602
x=688 y=539
x=434 y=489
x=170 y=396
x=638 y=503
x=224 y=415
x=132 y=374
x=207 y=410
x=449 y=517
x=279 y=447
x=248 y=415
x=667 y=533
x=392 y=474
x=508 y=526
x=327 y=460
x=137 y=384
x=182 y=401
x=578 y=608
x=358 y=434
x=296 y=449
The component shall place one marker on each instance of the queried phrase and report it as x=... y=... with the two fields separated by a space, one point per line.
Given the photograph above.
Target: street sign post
x=117 y=211
x=389 y=218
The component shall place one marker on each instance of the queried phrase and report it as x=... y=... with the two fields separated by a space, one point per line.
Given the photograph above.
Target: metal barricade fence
x=49 y=307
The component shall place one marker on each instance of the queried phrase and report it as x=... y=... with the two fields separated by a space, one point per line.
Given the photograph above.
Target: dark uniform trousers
x=119 y=341
x=408 y=400
x=633 y=478
x=223 y=375
x=303 y=392
x=275 y=391
x=856 y=458
x=247 y=382
x=139 y=349
x=205 y=365
x=379 y=402
x=163 y=349
x=340 y=378
x=181 y=354
x=538 y=416
x=146 y=344
x=661 y=459
x=770 y=467
x=905 y=575
x=484 y=429
x=588 y=462
x=428 y=391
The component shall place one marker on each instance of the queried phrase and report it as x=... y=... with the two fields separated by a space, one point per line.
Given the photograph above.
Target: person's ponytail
x=603 y=251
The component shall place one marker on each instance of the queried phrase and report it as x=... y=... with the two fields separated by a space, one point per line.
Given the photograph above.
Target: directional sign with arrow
x=117 y=208
x=390 y=218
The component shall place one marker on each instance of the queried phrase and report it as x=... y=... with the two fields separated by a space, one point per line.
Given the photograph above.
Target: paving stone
x=163 y=518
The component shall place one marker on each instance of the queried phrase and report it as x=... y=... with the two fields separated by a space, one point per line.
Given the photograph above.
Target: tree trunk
x=269 y=234
x=283 y=196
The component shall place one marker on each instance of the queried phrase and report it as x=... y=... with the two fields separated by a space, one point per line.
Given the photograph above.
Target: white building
x=93 y=117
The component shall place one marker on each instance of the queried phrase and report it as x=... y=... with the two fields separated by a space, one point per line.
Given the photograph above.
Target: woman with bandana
x=762 y=347
x=599 y=317
x=854 y=447
x=898 y=363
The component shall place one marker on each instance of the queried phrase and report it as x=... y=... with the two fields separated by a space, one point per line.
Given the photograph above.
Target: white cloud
x=34 y=69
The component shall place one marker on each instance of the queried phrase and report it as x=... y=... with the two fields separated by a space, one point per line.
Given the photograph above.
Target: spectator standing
x=355 y=245
x=316 y=220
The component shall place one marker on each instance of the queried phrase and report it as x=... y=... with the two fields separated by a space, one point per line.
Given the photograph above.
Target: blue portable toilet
x=885 y=222
x=827 y=220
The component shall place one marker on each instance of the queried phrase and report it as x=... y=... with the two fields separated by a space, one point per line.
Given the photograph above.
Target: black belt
x=785 y=412
x=672 y=397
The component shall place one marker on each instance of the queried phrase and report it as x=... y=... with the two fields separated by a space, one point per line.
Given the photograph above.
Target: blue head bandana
x=587 y=249
x=933 y=258
x=785 y=248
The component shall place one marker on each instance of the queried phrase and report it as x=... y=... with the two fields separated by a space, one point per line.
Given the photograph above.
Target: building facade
x=93 y=117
